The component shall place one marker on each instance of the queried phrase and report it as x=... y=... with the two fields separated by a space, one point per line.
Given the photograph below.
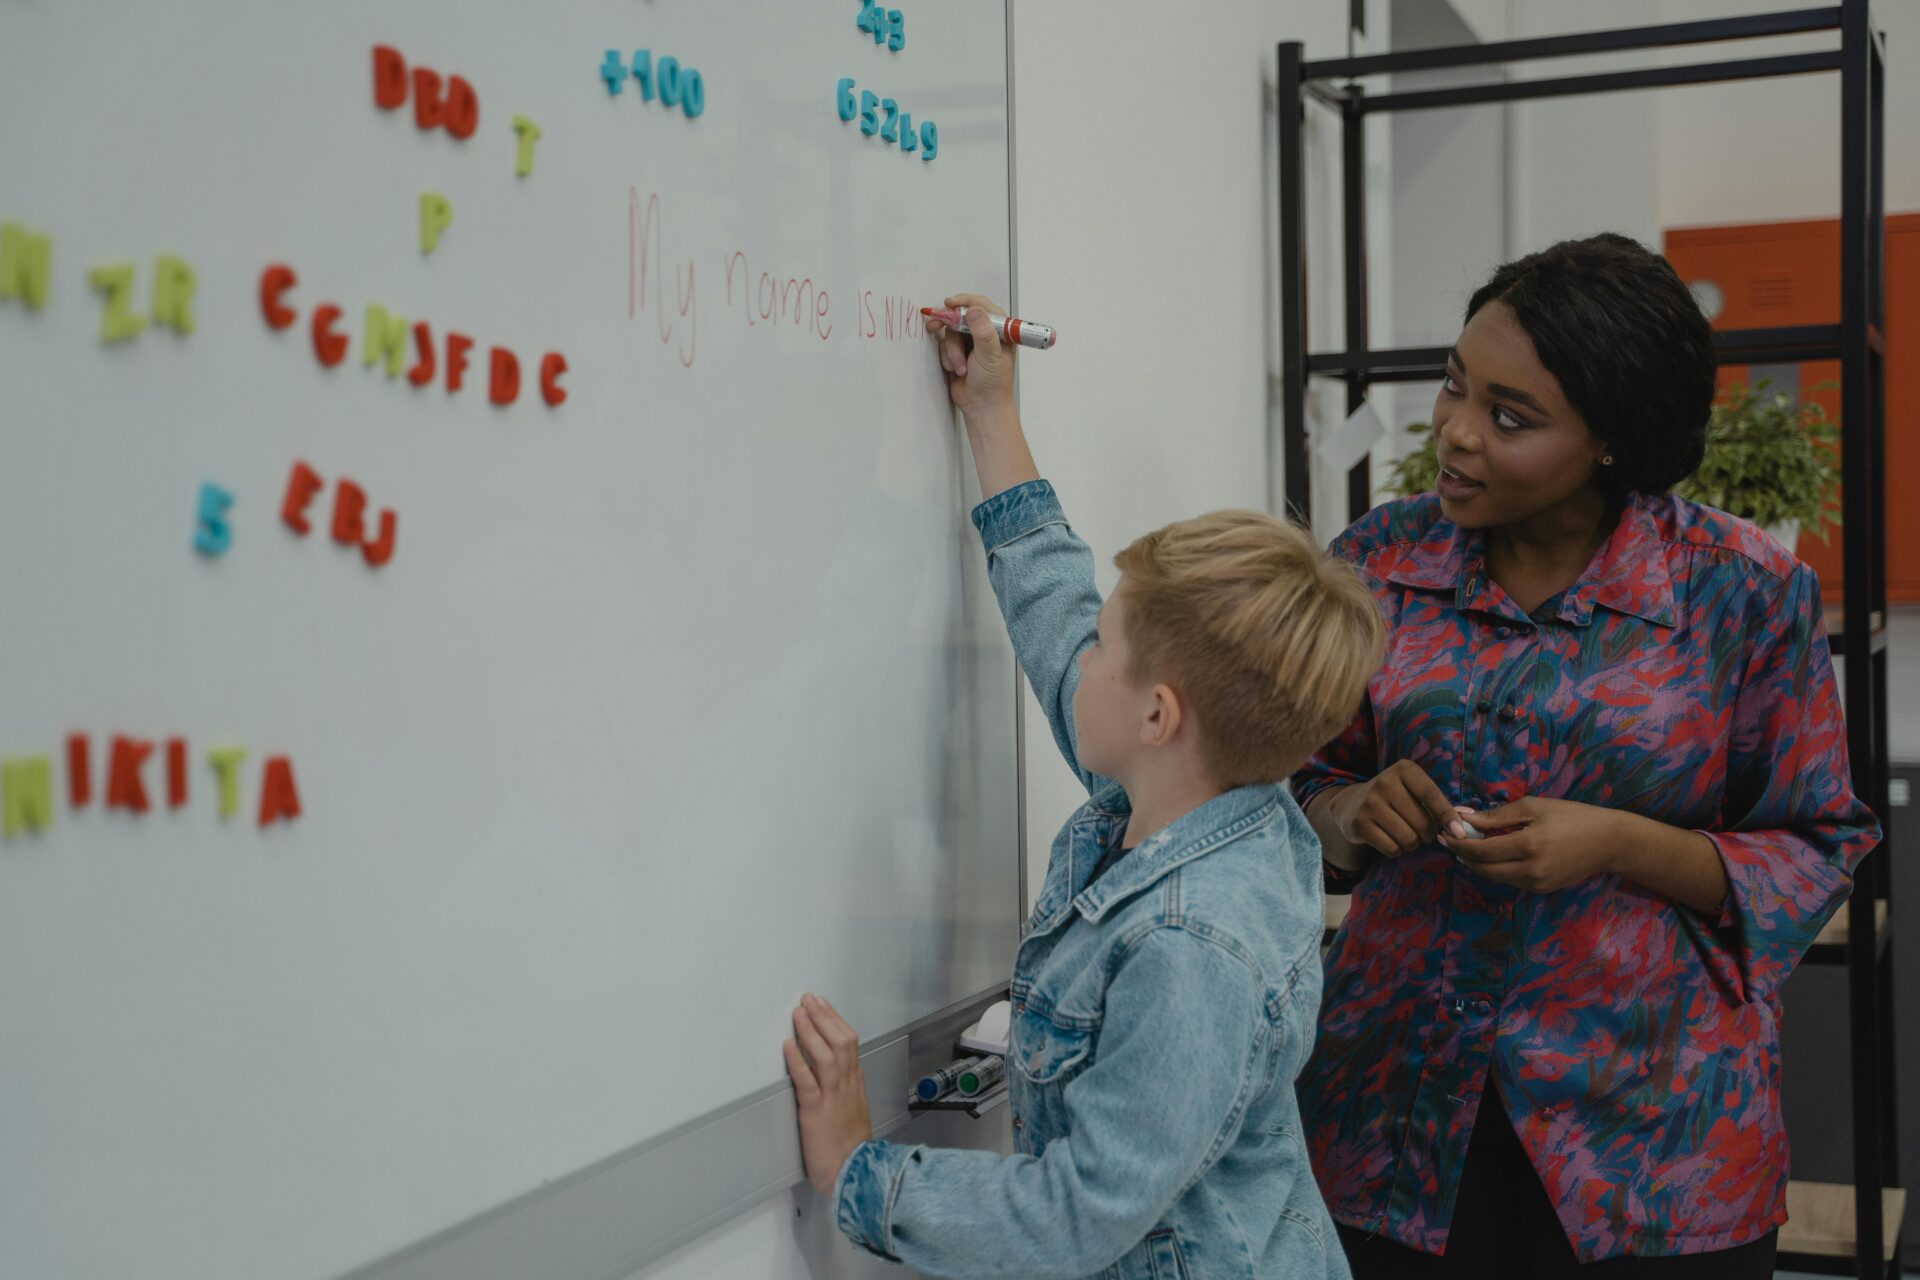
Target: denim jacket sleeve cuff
x=1014 y=513
x=863 y=1194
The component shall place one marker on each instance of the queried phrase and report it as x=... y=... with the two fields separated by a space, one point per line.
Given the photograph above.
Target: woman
x=1549 y=1040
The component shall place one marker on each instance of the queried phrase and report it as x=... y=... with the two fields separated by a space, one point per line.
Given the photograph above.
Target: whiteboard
x=670 y=700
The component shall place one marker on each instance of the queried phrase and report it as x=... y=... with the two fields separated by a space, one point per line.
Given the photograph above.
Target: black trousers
x=1504 y=1228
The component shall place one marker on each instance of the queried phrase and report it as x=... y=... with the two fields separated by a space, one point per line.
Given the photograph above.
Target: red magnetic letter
x=331 y=347
x=378 y=553
x=79 y=776
x=302 y=484
x=274 y=281
x=278 y=796
x=552 y=365
x=458 y=344
x=389 y=77
x=428 y=109
x=176 y=772
x=349 y=501
x=506 y=376
x=462 y=114
x=422 y=372
x=124 y=788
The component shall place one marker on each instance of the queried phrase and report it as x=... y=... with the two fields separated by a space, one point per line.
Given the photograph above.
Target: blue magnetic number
x=869 y=106
x=929 y=140
x=643 y=72
x=843 y=95
x=867 y=15
x=613 y=71
x=896 y=30
x=907 y=140
x=693 y=94
x=667 y=76
x=892 y=109
x=213 y=534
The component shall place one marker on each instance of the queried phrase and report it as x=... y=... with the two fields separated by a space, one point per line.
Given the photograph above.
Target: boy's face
x=1109 y=709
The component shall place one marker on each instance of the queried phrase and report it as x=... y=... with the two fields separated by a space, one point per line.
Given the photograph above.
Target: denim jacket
x=1160 y=1014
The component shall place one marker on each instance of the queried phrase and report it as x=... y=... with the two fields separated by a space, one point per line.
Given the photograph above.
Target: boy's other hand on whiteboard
x=824 y=1060
x=979 y=366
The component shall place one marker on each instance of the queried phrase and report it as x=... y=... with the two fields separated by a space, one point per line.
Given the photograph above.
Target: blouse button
x=1483 y=706
x=1509 y=712
x=1504 y=632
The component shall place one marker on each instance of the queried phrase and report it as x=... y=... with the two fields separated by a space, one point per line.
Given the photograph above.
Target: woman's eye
x=1449 y=385
x=1506 y=421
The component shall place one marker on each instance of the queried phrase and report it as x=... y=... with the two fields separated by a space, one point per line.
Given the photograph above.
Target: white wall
x=1143 y=209
x=1768 y=150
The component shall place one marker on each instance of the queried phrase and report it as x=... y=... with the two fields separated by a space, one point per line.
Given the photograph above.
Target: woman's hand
x=979 y=366
x=824 y=1060
x=1397 y=812
x=1542 y=845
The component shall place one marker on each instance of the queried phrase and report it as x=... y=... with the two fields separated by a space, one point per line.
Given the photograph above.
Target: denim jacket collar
x=1219 y=820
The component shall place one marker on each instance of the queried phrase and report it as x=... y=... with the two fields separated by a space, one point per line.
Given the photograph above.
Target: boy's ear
x=1164 y=716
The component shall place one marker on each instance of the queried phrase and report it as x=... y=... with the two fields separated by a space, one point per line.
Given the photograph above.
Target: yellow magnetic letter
x=116 y=281
x=386 y=335
x=26 y=794
x=26 y=262
x=529 y=134
x=173 y=287
x=226 y=763
x=436 y=215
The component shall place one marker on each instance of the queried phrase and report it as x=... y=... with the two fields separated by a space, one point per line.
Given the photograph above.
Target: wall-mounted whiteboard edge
x=607 y=1221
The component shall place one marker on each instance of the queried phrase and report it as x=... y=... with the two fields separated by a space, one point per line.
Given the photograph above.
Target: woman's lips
x=1455 y=487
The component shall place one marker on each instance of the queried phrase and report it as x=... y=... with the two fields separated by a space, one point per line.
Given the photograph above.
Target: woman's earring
x=1606 y=459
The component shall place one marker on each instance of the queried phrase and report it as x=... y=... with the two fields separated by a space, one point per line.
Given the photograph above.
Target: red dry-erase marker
x=1024 y=333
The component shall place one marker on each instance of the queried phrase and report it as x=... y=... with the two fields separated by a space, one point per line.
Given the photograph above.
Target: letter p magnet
x=436 y=215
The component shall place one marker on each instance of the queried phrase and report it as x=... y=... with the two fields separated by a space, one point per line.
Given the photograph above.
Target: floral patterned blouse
x=1685 y=677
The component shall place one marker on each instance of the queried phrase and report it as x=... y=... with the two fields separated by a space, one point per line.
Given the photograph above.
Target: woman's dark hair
x=1613 y=322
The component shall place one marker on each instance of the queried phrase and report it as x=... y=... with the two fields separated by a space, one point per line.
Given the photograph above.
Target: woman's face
x=1510 y=446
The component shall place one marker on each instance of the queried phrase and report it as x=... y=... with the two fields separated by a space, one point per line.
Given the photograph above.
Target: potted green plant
x=1771 y=458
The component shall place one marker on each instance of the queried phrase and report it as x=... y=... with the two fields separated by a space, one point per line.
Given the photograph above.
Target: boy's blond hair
x=1269 y=638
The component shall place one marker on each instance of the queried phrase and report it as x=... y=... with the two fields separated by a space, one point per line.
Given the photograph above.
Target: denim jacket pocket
x=1046 y=1053
x=1165 y=1256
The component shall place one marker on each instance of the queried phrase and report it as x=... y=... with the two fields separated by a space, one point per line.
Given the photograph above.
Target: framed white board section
x=421 y=864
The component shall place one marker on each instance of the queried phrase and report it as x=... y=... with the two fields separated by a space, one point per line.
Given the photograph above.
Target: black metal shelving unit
x=1861 y=938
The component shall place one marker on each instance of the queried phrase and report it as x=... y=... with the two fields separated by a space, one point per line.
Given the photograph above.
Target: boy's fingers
x=953 y=352
x=803 y=1082
x=818 y=1051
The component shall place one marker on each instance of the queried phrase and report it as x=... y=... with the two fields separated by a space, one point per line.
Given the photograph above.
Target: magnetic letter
x=278 y=797
x=27 y=799
x=462 y=114
x=226 y=763
x=302 y=484
x=274 y=281
x=176 y=772
x=349 y=502
x=116 y=281
x=330 y=347
x=458 y=344
x=385 y=336
x=429 y=111
x=26 y=261
x=504 y=385
x=79 y=772
x=173 y=286
x=213 y=535
x=552 y=365
x=436 y=215
x=124 y=788
x=389 y=77
x=381 y=551
x=422 y=372
x=529 y=133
